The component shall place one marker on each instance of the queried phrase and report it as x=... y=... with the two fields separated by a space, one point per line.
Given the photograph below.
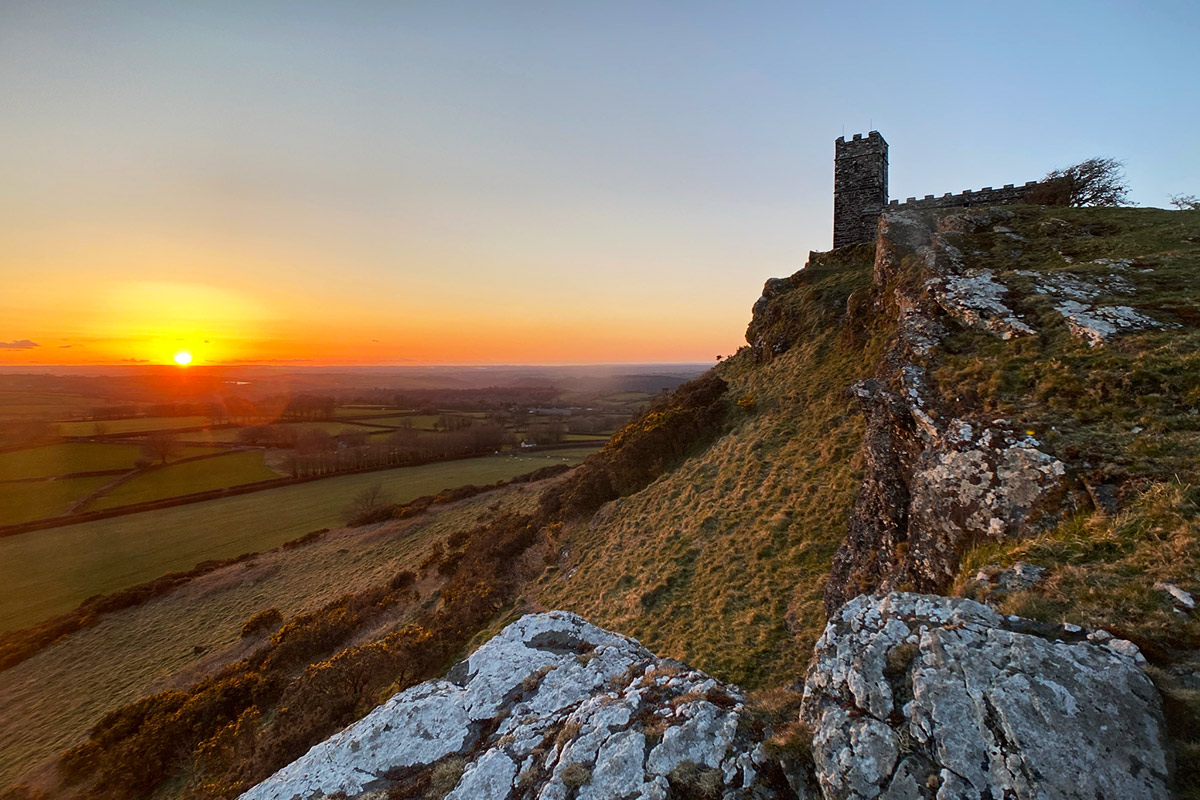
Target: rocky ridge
x=939 y=481
x=907 y=696
x=551 y=708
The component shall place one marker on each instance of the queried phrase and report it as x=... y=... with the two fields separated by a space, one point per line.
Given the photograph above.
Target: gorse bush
x=265 y=620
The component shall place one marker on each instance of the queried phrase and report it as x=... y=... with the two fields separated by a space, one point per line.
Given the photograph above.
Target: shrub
x=266 y=620
x=1094 y=182
x=368 y=506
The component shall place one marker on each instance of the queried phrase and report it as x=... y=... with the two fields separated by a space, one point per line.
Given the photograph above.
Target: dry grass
x=721 y=562
x=1102 y=570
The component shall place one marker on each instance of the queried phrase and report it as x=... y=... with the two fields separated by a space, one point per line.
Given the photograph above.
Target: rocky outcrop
x=938 y=481
x=551 y=708
x=934 y=486
x=907 y=696
x=917 y=696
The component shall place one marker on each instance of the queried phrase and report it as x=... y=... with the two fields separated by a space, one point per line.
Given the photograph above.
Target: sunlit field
x=48 y=572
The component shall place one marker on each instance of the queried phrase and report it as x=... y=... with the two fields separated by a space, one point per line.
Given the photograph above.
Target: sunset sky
x=515 y=182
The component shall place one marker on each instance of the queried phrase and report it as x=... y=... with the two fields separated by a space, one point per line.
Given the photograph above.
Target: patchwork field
x=48 y=572
x=363 y=411
x=24 y=502
x=137 y=425
x=48 y=703
x=65 y=459
x=219 y=472
x=41 y=405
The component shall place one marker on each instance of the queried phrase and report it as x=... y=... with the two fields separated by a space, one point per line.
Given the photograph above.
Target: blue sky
x=627 y=173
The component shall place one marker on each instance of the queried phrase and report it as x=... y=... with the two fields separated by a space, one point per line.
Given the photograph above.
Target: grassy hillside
x=720 y=562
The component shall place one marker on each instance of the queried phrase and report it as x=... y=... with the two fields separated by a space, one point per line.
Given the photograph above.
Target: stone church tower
x=860 y=187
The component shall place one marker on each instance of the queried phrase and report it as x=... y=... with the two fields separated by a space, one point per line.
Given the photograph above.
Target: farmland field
x=136 y=425
x=48 y=572
x=42 y=405
x=373 y=411
x=64 y=459
x=48 y=703
x=225 y=435
x=333 y=428
x=23 y=502
x=238 y=467
x=418 y=422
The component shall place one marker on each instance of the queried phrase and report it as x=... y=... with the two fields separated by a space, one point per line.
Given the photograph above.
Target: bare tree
x=1186 y=202
x=1095 y=182
x=369 y=505
x=162 y=446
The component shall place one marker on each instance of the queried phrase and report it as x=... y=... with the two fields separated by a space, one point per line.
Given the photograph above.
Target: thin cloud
x=135 y=360
x=264 y=361
x=19 y=344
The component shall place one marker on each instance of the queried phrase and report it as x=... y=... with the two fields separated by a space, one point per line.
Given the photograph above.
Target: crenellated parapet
x=1008 y=194
x=860 y=190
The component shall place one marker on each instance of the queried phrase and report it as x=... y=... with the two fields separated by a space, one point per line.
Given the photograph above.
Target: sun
x=183 y=358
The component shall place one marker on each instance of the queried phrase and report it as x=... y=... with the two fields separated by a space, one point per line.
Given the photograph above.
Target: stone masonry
x=860 y=190
x=860 y=187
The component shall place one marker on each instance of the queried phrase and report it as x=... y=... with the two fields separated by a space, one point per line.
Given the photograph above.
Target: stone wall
x=987 y=196
x=860 y=190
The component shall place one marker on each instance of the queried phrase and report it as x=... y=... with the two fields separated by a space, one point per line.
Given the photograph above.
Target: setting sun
x=183 y=358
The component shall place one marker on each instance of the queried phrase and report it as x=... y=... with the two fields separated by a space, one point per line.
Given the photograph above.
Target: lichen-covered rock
x=919 y=696
x=550 y=708
x=1097 y=324
x=977 y=300
x=933 y=487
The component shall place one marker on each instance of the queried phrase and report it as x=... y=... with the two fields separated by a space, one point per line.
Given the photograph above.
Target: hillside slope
x=980 y=388
x=720 y=562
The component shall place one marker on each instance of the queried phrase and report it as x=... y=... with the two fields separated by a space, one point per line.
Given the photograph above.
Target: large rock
x=551 y=708
x=920 y=696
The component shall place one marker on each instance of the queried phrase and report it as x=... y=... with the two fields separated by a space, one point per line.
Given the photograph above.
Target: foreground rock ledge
x=908 y=696
x=550 y=708
x=919 y=696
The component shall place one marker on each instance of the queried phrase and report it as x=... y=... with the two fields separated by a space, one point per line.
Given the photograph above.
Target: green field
x=240 y=466
x=418 y=422
x=373 y=411
x=333 y=428
x=225 y=435
x=137 y=425
x=23 y=502
x=64 y=459
x=48 y=572
x=230 y=435
x=42 y=405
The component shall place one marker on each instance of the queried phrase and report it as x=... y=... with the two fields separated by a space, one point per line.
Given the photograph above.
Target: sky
x=452 y=182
